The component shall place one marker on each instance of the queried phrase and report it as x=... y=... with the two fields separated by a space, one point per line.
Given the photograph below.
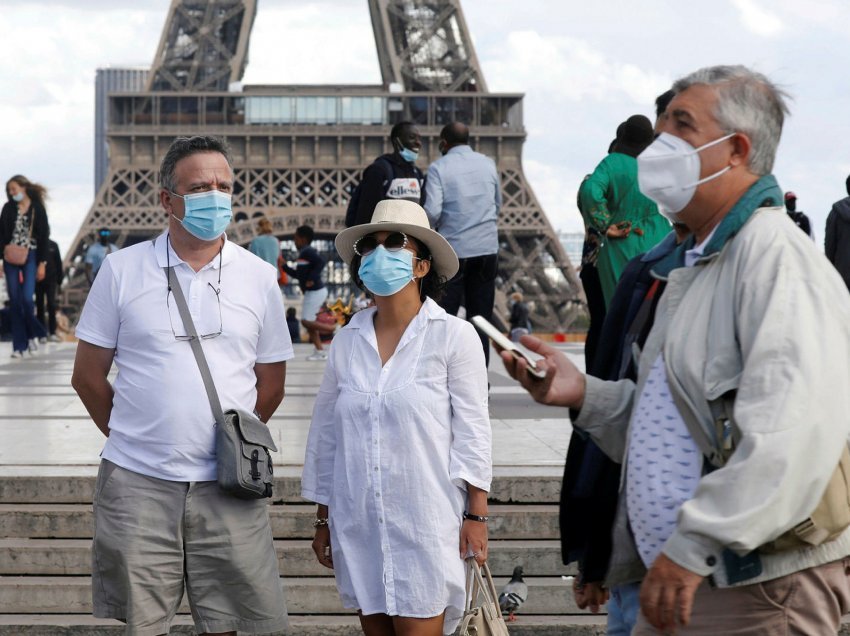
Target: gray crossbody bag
x=242 y=441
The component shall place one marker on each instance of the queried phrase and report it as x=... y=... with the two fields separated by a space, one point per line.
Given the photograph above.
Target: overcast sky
x=584 y=67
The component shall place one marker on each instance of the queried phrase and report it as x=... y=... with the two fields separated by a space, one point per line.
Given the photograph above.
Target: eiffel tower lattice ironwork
x=299 y=151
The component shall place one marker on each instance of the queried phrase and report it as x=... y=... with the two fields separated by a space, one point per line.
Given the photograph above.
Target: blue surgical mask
x=408 y=155
x=207 y=214
x=18 y=197
x=385 y=273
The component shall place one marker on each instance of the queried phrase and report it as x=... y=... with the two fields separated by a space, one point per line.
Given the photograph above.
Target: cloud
x=555 y=187
x=570 y=69
x=99 y=5
x=67 y=206
x=320 y=46
x=758 y=20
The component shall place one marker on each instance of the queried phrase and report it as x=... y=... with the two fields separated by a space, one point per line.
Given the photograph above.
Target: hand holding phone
x=502 y=342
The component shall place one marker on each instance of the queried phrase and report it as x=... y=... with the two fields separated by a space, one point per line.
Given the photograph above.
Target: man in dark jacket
x=391 y=176
x=45 y=291
x=837 y=239
x=591 y=480
x=800 y=219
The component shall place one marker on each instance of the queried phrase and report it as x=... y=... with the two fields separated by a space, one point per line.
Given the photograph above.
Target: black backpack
x=354 y=201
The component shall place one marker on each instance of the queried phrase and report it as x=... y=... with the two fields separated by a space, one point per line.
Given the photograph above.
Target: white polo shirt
x=161 y=423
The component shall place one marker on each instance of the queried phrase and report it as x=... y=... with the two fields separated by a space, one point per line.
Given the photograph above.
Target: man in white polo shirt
x=162 y=524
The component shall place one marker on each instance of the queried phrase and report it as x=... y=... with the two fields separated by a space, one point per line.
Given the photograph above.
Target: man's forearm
x=271 y=379
x=96 y=396
x=267 y=404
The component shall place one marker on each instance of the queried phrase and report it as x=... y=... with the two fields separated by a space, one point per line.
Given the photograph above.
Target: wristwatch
x=472 y=517
x=320 y=523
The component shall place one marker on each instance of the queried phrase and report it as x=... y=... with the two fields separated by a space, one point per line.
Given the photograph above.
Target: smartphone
x=502 y=342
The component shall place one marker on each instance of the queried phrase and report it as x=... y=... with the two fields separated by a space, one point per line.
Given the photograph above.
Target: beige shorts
x=807 y=603
x=154 y=538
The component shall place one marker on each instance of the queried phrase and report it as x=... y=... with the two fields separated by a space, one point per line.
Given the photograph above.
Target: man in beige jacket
x=739 y=415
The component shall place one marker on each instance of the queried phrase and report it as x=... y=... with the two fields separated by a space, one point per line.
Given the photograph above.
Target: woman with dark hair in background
x=398 y=455
x=24 y=233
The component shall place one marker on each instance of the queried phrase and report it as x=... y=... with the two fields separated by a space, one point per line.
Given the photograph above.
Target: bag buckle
x=255 y=461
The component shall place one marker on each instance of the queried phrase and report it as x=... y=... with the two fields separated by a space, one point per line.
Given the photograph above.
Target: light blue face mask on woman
x=385 y=273
x=207 y=214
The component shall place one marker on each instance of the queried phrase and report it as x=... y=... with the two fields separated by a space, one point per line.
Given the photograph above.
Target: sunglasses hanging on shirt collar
x=216 y=291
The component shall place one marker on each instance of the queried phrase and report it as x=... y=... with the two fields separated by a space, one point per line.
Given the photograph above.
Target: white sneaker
x=42 y=340
x=33 y=346
x=17 y=355
x=318 y=355
x=54 y=338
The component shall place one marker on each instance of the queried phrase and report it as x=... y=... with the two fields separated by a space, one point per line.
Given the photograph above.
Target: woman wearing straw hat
x=398 y=454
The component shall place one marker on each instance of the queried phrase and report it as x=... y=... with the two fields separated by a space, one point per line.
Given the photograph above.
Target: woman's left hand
x=41 y=272
x=473 y=540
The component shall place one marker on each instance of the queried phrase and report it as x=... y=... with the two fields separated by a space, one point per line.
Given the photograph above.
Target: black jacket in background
x=591 y=483
x=376 y=180
x=40 y=231
x=837 y=238
x=54 y=271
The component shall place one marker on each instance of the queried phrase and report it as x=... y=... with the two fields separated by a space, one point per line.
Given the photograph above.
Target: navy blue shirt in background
x=308 y=267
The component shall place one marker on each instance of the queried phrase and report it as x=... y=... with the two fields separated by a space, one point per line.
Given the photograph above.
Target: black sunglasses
x=394 y=242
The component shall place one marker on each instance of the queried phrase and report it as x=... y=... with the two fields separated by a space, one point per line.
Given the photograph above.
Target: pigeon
x=513 y=594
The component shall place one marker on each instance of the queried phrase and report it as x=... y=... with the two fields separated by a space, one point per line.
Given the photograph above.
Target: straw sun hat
x=398 y=215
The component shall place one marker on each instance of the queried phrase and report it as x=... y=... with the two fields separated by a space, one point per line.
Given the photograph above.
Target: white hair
x=748 y=103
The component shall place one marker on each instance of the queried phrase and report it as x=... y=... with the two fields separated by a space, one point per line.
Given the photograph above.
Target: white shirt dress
x=390 y=452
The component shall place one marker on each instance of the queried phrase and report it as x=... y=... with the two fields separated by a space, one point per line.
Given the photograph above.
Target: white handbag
x=481 y=613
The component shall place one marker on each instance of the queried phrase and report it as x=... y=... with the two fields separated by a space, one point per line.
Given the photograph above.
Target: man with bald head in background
x=462 y=198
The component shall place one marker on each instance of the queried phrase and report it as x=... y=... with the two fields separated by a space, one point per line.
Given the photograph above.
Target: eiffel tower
x=299 y=151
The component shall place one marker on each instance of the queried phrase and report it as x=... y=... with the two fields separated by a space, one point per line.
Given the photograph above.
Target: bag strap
x=195 y=342
x=479 y=582
x=490 y=585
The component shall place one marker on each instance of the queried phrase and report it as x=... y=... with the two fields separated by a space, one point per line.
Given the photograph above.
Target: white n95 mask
x=668 y=172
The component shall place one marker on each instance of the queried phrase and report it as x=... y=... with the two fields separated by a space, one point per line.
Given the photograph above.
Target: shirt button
x=711 y=561
x=377 y=494
x=376 y=469
x=380 y=520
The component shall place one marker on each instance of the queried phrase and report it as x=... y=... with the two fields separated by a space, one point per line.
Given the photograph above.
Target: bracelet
x=320 y=523
x=472 y=517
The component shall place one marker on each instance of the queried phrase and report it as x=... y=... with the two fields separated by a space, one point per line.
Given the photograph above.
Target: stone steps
x=304 y=595
x=72 y=557
x=290 y=521
x=78 y=625
x=45 y=541
x=75 y=485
